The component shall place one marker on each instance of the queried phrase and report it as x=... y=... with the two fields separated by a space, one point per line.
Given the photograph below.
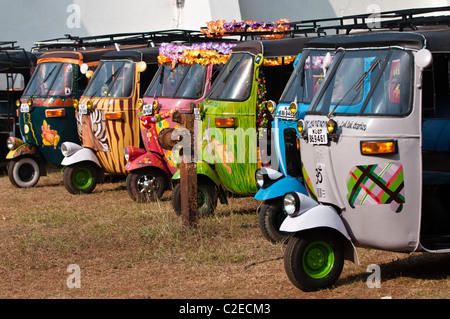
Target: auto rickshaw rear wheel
x=271 y=216
x=314 y=259
x=206 y=195
x=80 y=178
x=24 y=172
x=146 y=184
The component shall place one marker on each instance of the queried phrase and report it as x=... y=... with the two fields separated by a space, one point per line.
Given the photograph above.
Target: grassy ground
x=130 y=250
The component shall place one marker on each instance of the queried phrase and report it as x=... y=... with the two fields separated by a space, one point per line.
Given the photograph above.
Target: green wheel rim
x=82 y=178
x=318 y=259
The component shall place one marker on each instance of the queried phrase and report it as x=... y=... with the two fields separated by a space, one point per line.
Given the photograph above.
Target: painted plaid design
x=376 y=185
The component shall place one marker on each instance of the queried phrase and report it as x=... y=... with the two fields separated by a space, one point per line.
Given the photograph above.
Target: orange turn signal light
x=55 y=113
x=376 y=148
x=114 y=116
x=225 y=122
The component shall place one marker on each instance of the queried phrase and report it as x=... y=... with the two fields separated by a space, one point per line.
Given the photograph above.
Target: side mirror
x=84 y=68
x=423 y=58
x=326 y=63
x=141 y=66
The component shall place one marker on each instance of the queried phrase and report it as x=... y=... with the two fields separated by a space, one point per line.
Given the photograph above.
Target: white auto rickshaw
x=376 y=144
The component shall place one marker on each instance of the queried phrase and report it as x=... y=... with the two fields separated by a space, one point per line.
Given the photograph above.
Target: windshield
x=51 y=79
x=184 y=81
x=112 y=79
x=367 y=82
x=234 y=82
x=306 y=78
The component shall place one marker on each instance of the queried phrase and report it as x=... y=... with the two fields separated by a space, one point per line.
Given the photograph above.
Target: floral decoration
x=197 y=53
x=220 y=28
x=147 y=120
x=261 y=103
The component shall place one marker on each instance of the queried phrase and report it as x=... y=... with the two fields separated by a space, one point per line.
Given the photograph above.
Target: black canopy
x=16 y=60
x=430 y=38
x=147 y=54
x=273 y=48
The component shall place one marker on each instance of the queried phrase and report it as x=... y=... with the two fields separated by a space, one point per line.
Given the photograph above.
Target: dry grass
x=131 y=250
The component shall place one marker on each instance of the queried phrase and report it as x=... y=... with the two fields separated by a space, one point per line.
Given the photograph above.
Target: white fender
x=317 y=217
x=77 y=153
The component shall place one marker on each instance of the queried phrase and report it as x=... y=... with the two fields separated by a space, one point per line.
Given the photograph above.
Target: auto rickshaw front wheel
x=24 y=172
x=146 y=184
x=206 y=198
x=80 y=178
x=314 y=260
x=271 y=216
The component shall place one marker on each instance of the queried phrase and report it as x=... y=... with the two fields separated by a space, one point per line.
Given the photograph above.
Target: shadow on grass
x=424 y=266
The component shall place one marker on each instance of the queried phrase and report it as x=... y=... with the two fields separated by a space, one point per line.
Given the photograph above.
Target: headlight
x=69 y=148
x=271 y=106
x=331 y=126
x=291 y=204
x=293 y=107
x=64 y=150
x=300 y=126
x=89 y=105
x=12 y=143
x=76 y=103
x=265 y=177
x=126 y=154
x=259 y=177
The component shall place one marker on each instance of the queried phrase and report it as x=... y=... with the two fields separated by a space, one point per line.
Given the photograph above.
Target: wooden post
x=188 y=171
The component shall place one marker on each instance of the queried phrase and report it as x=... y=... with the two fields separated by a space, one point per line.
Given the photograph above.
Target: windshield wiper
x=357 y=85
x=108 y=81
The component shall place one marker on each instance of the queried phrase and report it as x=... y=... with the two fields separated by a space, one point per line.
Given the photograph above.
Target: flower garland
x=261 y=103
x=220 y=28
x=197 y=53
x=279 y=61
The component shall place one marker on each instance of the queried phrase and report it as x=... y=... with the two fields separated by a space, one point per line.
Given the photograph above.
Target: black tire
x=314 y=260
x=24 y=172
x=206 y=194
x=80 y=178
x=146 y=184
x=271 y=216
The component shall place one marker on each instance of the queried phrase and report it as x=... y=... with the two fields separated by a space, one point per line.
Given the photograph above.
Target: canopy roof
x=15 y=60
x=273 y=48
x=147 y=54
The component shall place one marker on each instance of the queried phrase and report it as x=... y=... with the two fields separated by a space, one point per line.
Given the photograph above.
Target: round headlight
x=259 y=177
x=89 y=105
x=10 y=143
x=29 y=102
x=155 y=105
x=75 y=103
x=140 y=102
x=293 y=107
x=331 y=126
x=126 y=154
x=18 y=103
x=291 y=204
x=64 y=150
x=300 y=126
x=271 y=106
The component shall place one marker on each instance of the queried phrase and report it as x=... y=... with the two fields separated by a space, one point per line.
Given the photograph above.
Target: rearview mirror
x=423 y=58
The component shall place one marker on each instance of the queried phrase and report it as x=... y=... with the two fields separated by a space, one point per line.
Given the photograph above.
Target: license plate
x=24 y=108
x=317 y=135
x=83 y=109
x=197 y=115
x=147 y=109
x=284 y=113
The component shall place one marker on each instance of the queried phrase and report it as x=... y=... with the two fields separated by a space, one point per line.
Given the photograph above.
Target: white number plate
x=317 y=135
x=147 y=109
x=285 y=113
x=24 y=108
x=197 y=114
x=83 y=109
